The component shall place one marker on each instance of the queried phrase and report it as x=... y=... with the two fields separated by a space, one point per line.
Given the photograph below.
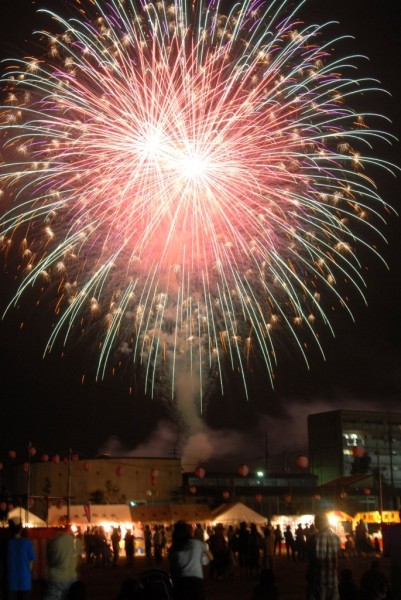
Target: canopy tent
x=28 y=519
x=235 y=513
x=170 y=513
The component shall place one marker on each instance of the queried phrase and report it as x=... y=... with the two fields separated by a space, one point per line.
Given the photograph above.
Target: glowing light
x=193 y=186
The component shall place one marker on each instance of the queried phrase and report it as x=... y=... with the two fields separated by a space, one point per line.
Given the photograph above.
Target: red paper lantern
x=74 y=457
x=3 y=506
x=287 y=498
x=12 y=454
x=226 y=495
x=366 y=491
x=87 y=466
x=259 y=498
x=317 y=497
x=192 y=489
x=200 y=472
x=119 y=471
x=10 y=507
x=358 y=451
x=243 y=470
x=1 y=466
x=25 y=466
x=302 y=461
x=44 y=458
x=56 y=459
x=32 y=451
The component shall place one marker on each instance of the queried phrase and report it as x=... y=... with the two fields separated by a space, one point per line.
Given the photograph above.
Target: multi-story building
x=349 y=442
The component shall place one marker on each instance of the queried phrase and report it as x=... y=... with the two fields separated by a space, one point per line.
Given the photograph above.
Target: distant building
x=268 y=494
x=106 y=480
x=352 y=442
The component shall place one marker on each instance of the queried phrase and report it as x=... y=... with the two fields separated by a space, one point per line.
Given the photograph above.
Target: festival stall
x=25 y=517
x=340 y=522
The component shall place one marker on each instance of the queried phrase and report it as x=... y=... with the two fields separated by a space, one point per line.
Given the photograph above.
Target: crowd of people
x=249 y=551
x=189 y=555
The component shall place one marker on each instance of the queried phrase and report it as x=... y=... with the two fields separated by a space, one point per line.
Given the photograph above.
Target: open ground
x=103 y=583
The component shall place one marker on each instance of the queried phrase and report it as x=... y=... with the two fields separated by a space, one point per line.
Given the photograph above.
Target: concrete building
x=351 y=442
x=105 y=480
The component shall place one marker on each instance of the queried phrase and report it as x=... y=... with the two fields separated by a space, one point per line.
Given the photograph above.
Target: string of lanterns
x=56 y=459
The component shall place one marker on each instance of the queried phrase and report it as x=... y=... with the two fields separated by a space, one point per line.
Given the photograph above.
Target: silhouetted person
x=115 y=543
x=347 y=588
x=129 y=546
x=289 y=543
x=374 y=584
x=131 y=590
x=266 y=588
x=278 y=538
x=392 y=549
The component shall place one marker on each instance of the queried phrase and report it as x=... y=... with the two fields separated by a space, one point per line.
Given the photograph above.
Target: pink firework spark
x=191 y=182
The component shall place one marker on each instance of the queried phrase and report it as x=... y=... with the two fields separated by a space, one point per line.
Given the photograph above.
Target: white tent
x=233 y=514
x=25 y=517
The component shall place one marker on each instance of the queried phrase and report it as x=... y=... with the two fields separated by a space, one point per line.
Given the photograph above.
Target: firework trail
x=193 y=184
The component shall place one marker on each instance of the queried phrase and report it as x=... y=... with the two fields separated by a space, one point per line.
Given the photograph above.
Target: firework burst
x=194 y=184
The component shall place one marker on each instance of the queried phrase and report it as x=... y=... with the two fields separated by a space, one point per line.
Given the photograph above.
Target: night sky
x=48 y=403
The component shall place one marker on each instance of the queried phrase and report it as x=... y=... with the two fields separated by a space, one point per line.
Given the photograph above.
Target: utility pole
x=379 y=474
x=390 y=451
x=266 y=471
x=266 y=437
x=28 y=485
x=69 y=488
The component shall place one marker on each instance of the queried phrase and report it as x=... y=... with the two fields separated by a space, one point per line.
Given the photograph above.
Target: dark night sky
x=45 y=401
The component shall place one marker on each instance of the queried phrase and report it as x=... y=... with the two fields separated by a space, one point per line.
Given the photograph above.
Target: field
x=103 y=583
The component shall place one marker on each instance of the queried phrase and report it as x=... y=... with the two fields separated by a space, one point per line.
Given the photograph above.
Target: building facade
x=104 y=480
x=351 y=442
x=269 y=495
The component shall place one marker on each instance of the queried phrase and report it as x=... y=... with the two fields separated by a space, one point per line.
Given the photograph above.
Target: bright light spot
x=192 y=166
x=151 y=144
